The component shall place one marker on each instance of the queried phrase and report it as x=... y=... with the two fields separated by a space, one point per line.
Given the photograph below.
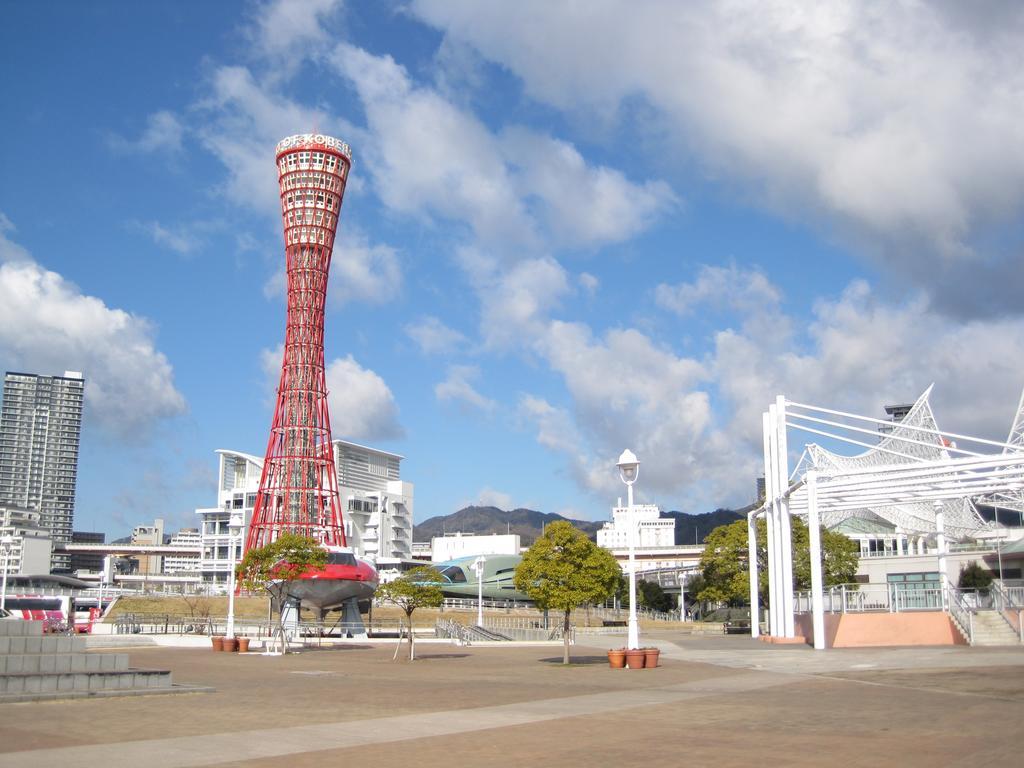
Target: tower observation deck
x=298 y=491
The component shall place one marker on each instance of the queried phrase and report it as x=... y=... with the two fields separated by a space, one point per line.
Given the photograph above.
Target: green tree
x=564 y=569
x=694 y=586
x=272 y=566
x=651 y=596
x=416 y=588
x=726 y=572
x=973 y=576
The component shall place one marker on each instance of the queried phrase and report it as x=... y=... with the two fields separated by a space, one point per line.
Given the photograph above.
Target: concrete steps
x=34 y=666
x=990 y=628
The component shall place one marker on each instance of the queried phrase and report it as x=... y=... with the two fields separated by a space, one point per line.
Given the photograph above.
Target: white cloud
x=893 y=124
x=434 y=337
x=361 y=403
x=695 y=424
x=178 y=240
x=360 y=272
x=363 y=272
x=163 y=133
x=742 y=290
x=245 y=118
x=287 y=29
x=627 y=392
x=589 y=283
x=457 y=388
x=488 y=497
x=515 y=306
x=582 y=205
x=428 y=154
x=47 y=326
x=10 y=250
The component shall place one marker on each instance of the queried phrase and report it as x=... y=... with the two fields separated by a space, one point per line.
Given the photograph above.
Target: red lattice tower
x=299 y=487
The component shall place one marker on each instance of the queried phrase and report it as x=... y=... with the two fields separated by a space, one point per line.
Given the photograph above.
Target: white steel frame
x=916 y=478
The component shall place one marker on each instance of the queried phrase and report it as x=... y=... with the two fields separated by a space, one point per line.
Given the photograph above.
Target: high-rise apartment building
x=40 y=429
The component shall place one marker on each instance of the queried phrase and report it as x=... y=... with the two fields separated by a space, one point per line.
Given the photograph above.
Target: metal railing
x=962 y=614
x=168 y=624
x=864 y=598
x=1009 y=601
x=446 y=628
x=502 y=628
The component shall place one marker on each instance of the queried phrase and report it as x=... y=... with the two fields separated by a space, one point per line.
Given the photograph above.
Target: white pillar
x=940 y=543
x=769 y=518
x=814 y=531
x=755 y=606
x=633 y=635
x=786 y=540
x=231 y=586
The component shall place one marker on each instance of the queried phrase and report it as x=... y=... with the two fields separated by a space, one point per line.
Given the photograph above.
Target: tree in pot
x=564 y=569
x=273 y=566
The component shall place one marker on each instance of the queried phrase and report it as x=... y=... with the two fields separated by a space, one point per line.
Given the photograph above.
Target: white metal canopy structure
x=916 y=477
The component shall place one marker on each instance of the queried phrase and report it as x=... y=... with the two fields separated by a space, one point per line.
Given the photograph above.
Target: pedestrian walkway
x=712 y=702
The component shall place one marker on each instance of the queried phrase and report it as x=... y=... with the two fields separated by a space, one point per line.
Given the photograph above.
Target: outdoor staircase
x=34 y=666
x=990 y=628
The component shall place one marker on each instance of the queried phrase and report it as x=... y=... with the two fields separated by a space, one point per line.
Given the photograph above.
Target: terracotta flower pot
x=243 y=645
x=617 y=658
x=217 y=641
x=635 y=658
x=651 y=657
x=230 y=644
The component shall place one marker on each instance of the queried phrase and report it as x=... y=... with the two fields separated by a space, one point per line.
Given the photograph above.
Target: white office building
x=377 y=506
x=31 y=545
x=651 y=530
x=455 y=545
x=238 y=479
x=182 y=563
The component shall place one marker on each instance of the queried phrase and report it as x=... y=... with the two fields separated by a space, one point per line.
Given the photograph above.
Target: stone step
x=20 y=628
x=42 y=644
x=12 y=685
x=997 y=641
x=49 y=663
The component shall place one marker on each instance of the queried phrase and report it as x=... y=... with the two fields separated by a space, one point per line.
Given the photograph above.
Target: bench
x=736 y=628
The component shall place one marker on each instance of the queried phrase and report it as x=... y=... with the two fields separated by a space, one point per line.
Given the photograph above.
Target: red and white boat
x=345 y=576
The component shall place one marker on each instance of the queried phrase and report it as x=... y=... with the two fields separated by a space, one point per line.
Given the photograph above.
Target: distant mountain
x=528 y=523
x=693 y=529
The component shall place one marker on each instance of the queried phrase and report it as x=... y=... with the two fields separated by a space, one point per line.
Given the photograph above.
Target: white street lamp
x=6 y=541
x=629 y=468
x=682 y=595
x=478 y=569
x=234 y=529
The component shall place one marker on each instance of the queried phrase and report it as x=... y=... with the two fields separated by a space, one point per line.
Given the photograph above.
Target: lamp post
x=6 y=541
x=629 y=468
x=682 y=595
x=478 y=569
x=234 y=529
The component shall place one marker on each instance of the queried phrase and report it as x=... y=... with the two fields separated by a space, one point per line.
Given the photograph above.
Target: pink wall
x=858 y=630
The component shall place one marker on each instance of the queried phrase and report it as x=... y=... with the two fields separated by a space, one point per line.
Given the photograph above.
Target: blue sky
x=566 y=233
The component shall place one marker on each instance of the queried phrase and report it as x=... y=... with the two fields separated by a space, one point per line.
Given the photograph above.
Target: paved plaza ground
x=715 y=701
